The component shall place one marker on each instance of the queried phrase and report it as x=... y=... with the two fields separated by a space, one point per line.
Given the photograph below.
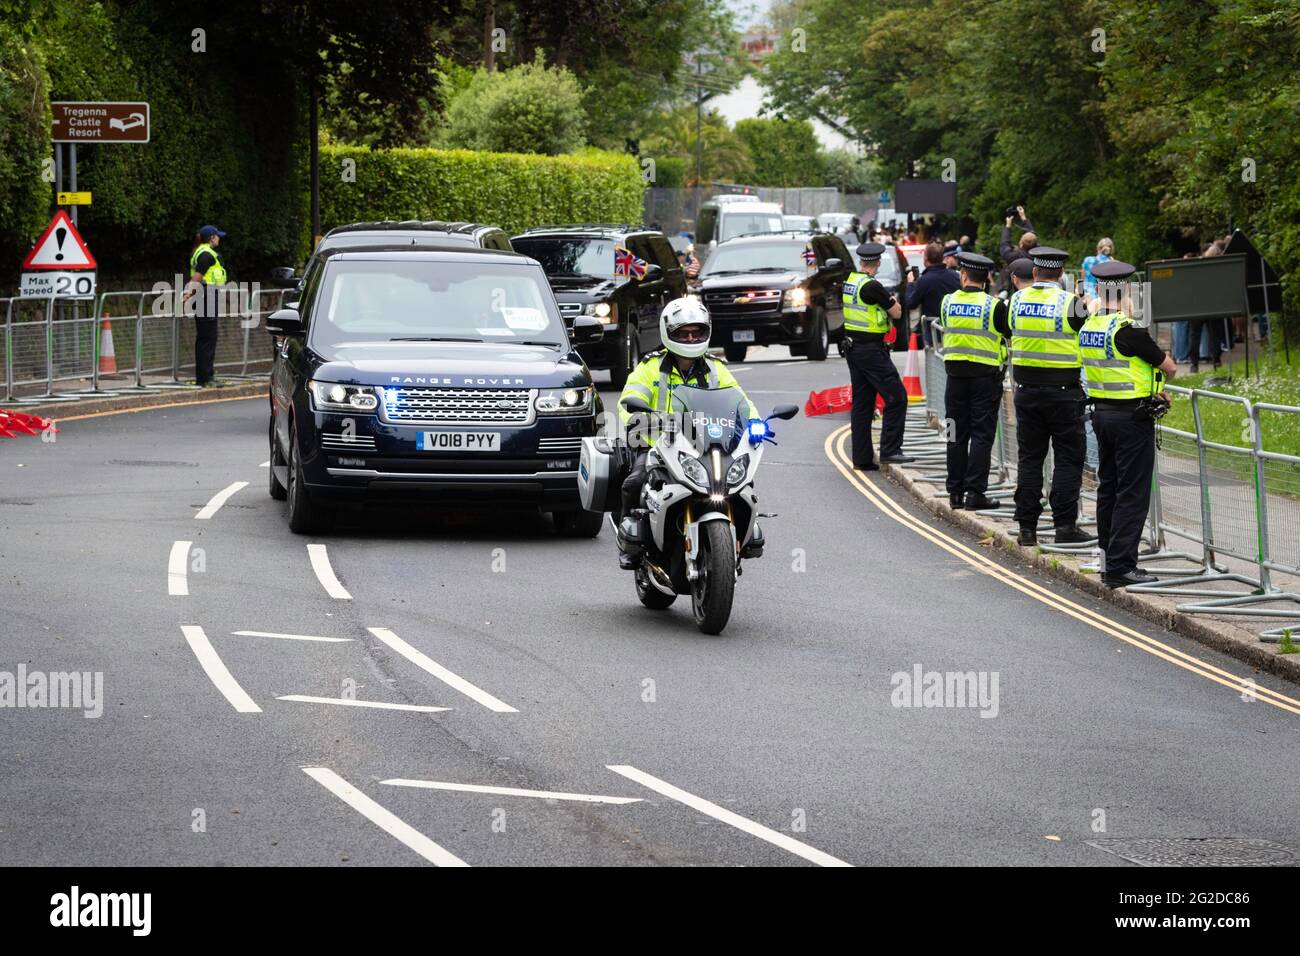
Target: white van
x=725 y=217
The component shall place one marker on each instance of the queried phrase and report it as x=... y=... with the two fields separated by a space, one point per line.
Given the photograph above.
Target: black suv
x=776 y=288
x=621 y=275
x=410 y=233
x=430 y=373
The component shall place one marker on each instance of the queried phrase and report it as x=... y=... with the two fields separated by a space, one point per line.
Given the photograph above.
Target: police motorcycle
x=698 y=497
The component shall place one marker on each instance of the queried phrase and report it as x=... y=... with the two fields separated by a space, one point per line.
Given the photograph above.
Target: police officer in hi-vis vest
x=974 y=354
x=1125 y=371
x=1043 y=323
x=868 y=309
x=207 y=269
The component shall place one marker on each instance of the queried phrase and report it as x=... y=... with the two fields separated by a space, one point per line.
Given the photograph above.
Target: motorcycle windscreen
x=712 y=416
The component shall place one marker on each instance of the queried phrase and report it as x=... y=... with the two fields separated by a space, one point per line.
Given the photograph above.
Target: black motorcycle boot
x=630 y=539
x=754 y=547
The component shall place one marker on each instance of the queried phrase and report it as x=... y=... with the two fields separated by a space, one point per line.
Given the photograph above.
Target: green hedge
x=511 y=190
x=24 y=135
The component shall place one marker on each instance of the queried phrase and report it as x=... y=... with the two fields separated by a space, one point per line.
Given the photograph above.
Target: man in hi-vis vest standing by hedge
x=1043 y=323
x=974 y=356
x=207 y=269
x=1126 y=372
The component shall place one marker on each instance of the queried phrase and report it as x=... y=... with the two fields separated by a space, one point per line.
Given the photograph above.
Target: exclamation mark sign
x=59 y=235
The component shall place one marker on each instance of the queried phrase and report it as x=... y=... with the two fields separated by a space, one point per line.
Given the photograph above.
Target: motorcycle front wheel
x=713 y=590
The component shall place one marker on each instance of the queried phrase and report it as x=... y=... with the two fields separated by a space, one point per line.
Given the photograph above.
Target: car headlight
x=795 y=299
x=601 y=310
x=564 y=401
x=738 y=470
x=694 y=469
x=336 y=396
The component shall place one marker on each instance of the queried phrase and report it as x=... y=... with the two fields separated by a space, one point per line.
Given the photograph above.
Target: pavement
x=244 y=669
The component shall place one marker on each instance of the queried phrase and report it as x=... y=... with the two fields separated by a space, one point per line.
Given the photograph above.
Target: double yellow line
x=835 y=451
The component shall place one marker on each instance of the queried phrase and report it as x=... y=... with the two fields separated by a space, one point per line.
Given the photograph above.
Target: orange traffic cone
x=107 y=360
x=912 y=374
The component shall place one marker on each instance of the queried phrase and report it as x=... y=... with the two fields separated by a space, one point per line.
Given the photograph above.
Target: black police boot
x=981 y=502
x=1028 y=536
x=1137 y=576
x=957 y=501
x=869 y=466
x=1070 y=534
x=754 y=546
x=897 y=459
x=630 y=540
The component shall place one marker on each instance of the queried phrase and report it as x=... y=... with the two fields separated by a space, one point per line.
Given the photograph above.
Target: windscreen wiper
x=432 y=338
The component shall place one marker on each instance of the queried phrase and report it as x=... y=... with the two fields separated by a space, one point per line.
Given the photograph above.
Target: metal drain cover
x=1198 y=851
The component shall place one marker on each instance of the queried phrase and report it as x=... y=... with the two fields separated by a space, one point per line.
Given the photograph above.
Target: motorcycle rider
x=684 y=329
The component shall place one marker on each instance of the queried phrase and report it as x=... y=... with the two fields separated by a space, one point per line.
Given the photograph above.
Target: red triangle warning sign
x=60 y=247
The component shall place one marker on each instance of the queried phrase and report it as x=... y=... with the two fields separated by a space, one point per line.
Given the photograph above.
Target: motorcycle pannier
x=598 y=475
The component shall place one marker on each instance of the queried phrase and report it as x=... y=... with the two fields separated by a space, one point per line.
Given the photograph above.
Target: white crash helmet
x=679 y=313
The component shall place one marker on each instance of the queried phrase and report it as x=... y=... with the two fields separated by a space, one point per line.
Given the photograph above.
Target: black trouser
x=633 y=481
x=872 y=372
x=205 y=348
x=1049 y=415
x=1127 y=451
x=971 y=407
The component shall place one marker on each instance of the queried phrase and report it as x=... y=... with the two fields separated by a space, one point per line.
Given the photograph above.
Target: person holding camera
x=1019 y=250
x=1125 y=372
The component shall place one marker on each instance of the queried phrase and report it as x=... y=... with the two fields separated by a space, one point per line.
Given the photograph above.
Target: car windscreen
x=760 y=255
x=738 y=222
x=570 y=255
x=371 y=300
x=717 y=416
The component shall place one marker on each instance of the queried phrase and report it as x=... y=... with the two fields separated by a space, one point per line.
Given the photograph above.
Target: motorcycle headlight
x=601 y=310
x=738 y=470
x=335 y=396
x=564 y=401
x=694 y=469
x=795 y=299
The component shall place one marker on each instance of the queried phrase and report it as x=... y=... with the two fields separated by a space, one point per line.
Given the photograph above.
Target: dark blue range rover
x=438 y=374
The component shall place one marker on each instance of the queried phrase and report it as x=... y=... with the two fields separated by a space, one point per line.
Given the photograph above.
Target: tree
x=525 y=109
x=849 y=172
x=725 y=157
x=783 y=152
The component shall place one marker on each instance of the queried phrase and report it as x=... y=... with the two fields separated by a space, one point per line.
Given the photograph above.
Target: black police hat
x=951 y=247
x=1045 y=257
x=1022 y=268
x=1113 y=272
x=974 y=262
x=870 y=251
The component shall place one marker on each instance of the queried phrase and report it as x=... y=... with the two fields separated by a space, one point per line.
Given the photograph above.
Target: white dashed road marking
x=292 y=637
x=320 y=563
x=177 y=565
x=378 y=705
x=219 y=499
x=711 y=809
x=509 y=791
x=216 y=670
x=454 y=681
x=382 y=818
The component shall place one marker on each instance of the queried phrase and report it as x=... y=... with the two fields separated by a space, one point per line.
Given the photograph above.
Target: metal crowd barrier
x=1229 y=501
x=50 y=345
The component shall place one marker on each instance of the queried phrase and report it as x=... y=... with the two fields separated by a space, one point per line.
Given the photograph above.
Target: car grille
x=559 y=446
x=570 y=309
x=760 y=300
x=341 y=441
x=493 y=406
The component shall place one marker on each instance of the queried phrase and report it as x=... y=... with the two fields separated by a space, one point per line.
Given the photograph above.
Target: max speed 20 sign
x=60 y=263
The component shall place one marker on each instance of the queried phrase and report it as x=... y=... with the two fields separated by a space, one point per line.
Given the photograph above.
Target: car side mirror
x=833 y=263
x=284 y=322
x=784 y=411
x=653 y=272
x=635 y=403
x=587 y=329
x=283 y=277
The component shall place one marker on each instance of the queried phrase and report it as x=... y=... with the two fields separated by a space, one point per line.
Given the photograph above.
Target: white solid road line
x=509 y=791
x=378 y=705
x=384 y=819
x=708 y=808
x=784 y=364
x=177 y=564
x=216 y=670
x=265 y=464
x=320 y=563
x=219 y=499
x=742 y=368
x=292 y=637
x=453 y=681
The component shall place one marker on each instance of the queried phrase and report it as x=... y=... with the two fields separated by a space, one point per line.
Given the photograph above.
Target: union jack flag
x=809 y=257
x=626 y=264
